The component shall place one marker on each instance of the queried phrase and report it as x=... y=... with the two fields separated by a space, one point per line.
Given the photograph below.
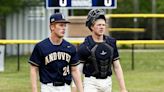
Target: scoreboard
x=81 y=4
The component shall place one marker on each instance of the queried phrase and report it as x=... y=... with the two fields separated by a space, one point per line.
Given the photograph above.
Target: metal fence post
x=132 y=56
x=18 y=57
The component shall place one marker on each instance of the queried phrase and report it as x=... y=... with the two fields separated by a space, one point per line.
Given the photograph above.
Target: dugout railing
x=75 y=42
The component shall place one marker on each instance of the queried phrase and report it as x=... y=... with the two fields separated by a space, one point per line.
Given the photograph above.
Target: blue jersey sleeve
x=74 y=58
x=115 y=54
x=83 y=52
x=36 y=56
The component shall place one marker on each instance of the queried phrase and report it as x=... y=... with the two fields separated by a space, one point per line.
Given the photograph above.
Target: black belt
x=96 y=77
x=55 y=83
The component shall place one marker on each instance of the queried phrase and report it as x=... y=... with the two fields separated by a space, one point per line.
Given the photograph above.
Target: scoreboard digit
x=108 y=2
x=63 y=3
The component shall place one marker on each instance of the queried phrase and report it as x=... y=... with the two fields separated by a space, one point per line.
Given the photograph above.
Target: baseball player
x=99 y=54
x=55 y=59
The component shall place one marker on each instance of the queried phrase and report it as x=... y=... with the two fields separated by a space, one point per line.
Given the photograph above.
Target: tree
x=160 y=6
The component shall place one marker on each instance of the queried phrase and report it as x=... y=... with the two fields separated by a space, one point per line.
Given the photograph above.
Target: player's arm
x=119 y=75
x=77 y=78
x=33 y=75
x=74 y=88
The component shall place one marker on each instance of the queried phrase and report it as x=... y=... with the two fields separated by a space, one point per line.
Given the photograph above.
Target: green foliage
x=160 y=6
x=145 y=6
x=124 y=6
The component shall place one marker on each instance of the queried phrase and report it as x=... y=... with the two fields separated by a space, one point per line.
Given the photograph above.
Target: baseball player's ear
x=51 y=27
x=92 y=27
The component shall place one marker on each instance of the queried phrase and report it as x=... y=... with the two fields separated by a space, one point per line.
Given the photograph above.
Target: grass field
x=147 y=76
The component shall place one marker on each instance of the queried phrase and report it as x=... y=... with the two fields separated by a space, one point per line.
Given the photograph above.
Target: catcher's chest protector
x=100 y=59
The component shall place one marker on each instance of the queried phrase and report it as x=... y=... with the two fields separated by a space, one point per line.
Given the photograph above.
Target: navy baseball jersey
x=101 y=53
x=54 y=61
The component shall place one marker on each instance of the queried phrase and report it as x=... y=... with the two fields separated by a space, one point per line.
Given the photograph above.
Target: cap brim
x=61 y=21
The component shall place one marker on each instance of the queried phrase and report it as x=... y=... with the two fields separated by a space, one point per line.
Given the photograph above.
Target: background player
x=99 y=53
x=55 y=59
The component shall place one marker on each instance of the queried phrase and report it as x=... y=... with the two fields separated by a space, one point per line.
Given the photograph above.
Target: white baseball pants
x=91 y=84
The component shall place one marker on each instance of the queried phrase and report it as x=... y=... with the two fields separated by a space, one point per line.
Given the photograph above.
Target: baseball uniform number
x=66 y=71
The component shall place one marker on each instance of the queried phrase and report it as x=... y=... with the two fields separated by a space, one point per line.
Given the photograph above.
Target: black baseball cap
x=58 y=18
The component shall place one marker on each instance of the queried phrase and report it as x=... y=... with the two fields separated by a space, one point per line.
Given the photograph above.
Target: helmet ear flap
x=89 y=24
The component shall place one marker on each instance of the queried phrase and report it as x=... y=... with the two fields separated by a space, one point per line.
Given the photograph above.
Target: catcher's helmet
x=93 y=15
